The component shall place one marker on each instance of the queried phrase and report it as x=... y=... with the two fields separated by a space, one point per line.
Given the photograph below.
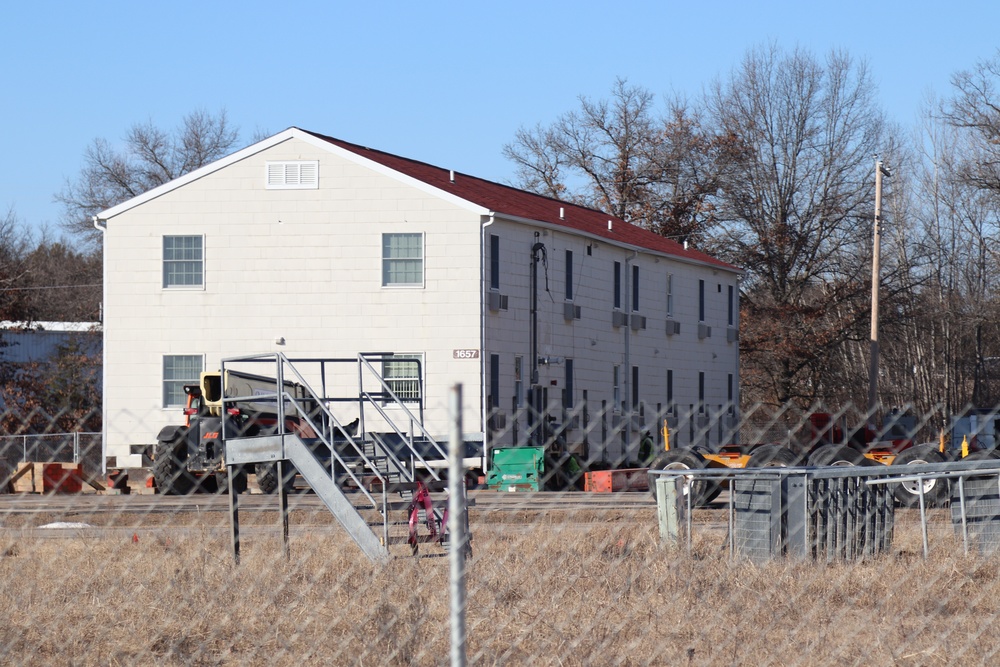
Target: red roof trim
x=506 y=200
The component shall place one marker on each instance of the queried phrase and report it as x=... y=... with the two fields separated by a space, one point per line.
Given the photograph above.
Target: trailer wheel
x=908 y=493
x=836 y=456
x=704 y=491
x=170 y=470
x=773 y=456
x=267 y=477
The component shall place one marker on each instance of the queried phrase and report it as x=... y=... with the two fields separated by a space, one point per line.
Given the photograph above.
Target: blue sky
x=443 y=82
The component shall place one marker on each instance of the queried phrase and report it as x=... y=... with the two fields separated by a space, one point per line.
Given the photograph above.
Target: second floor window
x=402 y=260
x=183 y=261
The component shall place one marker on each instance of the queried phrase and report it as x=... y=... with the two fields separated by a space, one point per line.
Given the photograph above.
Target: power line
x=27 y=289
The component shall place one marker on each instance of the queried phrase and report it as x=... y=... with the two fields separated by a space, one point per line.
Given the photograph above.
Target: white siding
x=304 y=265
x=594 y=344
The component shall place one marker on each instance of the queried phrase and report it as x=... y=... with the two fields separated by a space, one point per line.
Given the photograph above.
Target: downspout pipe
x=628 y=351
x=483 y=380
x=102 y=226
x=535 y=416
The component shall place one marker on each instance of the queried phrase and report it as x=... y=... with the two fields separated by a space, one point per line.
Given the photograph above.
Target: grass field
x=544 y=588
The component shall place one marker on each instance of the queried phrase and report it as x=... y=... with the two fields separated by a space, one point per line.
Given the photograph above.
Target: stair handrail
x=398 y=403
x=283 y=395
x=407 y=439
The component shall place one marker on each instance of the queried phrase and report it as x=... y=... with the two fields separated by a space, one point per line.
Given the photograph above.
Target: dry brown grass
x=552 y=589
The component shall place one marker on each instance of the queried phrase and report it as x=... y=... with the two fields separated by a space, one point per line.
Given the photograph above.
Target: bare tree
x=150 y=157
x=618 y=156
x=795 y=210
x=975 y=108
x=14 y=245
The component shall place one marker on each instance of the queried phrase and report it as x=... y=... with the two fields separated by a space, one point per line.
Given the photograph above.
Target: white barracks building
x=314 y=247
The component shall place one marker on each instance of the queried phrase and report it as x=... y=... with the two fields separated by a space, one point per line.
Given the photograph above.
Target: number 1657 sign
x=465 y=354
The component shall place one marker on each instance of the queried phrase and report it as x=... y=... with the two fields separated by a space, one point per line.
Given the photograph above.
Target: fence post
x=458 y=535
x=669 y=509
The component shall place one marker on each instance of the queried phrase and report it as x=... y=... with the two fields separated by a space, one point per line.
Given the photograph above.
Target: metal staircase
x=371 y=480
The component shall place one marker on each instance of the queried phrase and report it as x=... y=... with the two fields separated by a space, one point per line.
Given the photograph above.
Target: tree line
x=771 y=168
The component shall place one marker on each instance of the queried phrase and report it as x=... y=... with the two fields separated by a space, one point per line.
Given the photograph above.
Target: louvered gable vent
x=300 y=175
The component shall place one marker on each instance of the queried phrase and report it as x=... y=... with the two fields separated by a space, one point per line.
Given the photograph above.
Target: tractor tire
x=935 y=490
x=703 y=491
x=773 y=456
x=170 y=470
x=239 y=481
x=837 y=456
x=267 y=477
x=6 y=473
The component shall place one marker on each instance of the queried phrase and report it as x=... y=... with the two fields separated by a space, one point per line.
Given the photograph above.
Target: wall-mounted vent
x=732 y=334
x=299 y=175
x=496 y=301
x=571 y=311
x=618 y=318
x=637 y=322
x=673 y=327
x=704 y=331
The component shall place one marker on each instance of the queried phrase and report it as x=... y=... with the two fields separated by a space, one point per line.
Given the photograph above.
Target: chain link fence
x=98 y=568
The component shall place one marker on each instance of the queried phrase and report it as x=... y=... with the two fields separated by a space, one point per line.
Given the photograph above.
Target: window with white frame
x=403 y=260
x=179 y=370
x=183 y=261
x=402 y=373
x=293 y=175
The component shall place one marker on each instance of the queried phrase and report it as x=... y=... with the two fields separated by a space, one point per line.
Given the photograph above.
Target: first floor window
x=670 y=391
x=616 y=395
x=494 y=381
x=701 y=392
x=402 y=373
x=179 y=370
x=402 y=260
x=518 y=384
x=635 y=387
x=183 y=261
x=568 y=391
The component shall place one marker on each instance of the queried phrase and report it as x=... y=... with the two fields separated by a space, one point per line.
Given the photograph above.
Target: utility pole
x=876 y=251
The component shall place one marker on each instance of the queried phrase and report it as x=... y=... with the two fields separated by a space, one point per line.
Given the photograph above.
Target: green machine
x=516 y=469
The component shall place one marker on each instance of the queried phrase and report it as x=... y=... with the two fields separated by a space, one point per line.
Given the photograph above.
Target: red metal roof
x=505 y=200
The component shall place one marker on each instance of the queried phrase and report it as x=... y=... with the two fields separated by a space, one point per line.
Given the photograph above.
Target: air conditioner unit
x=732 y=334
x=496 y=301
x=571 y=311
x=498 y=420
x=638 y=322
x=673 y=327
x=618 y=318
x=704 y=331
